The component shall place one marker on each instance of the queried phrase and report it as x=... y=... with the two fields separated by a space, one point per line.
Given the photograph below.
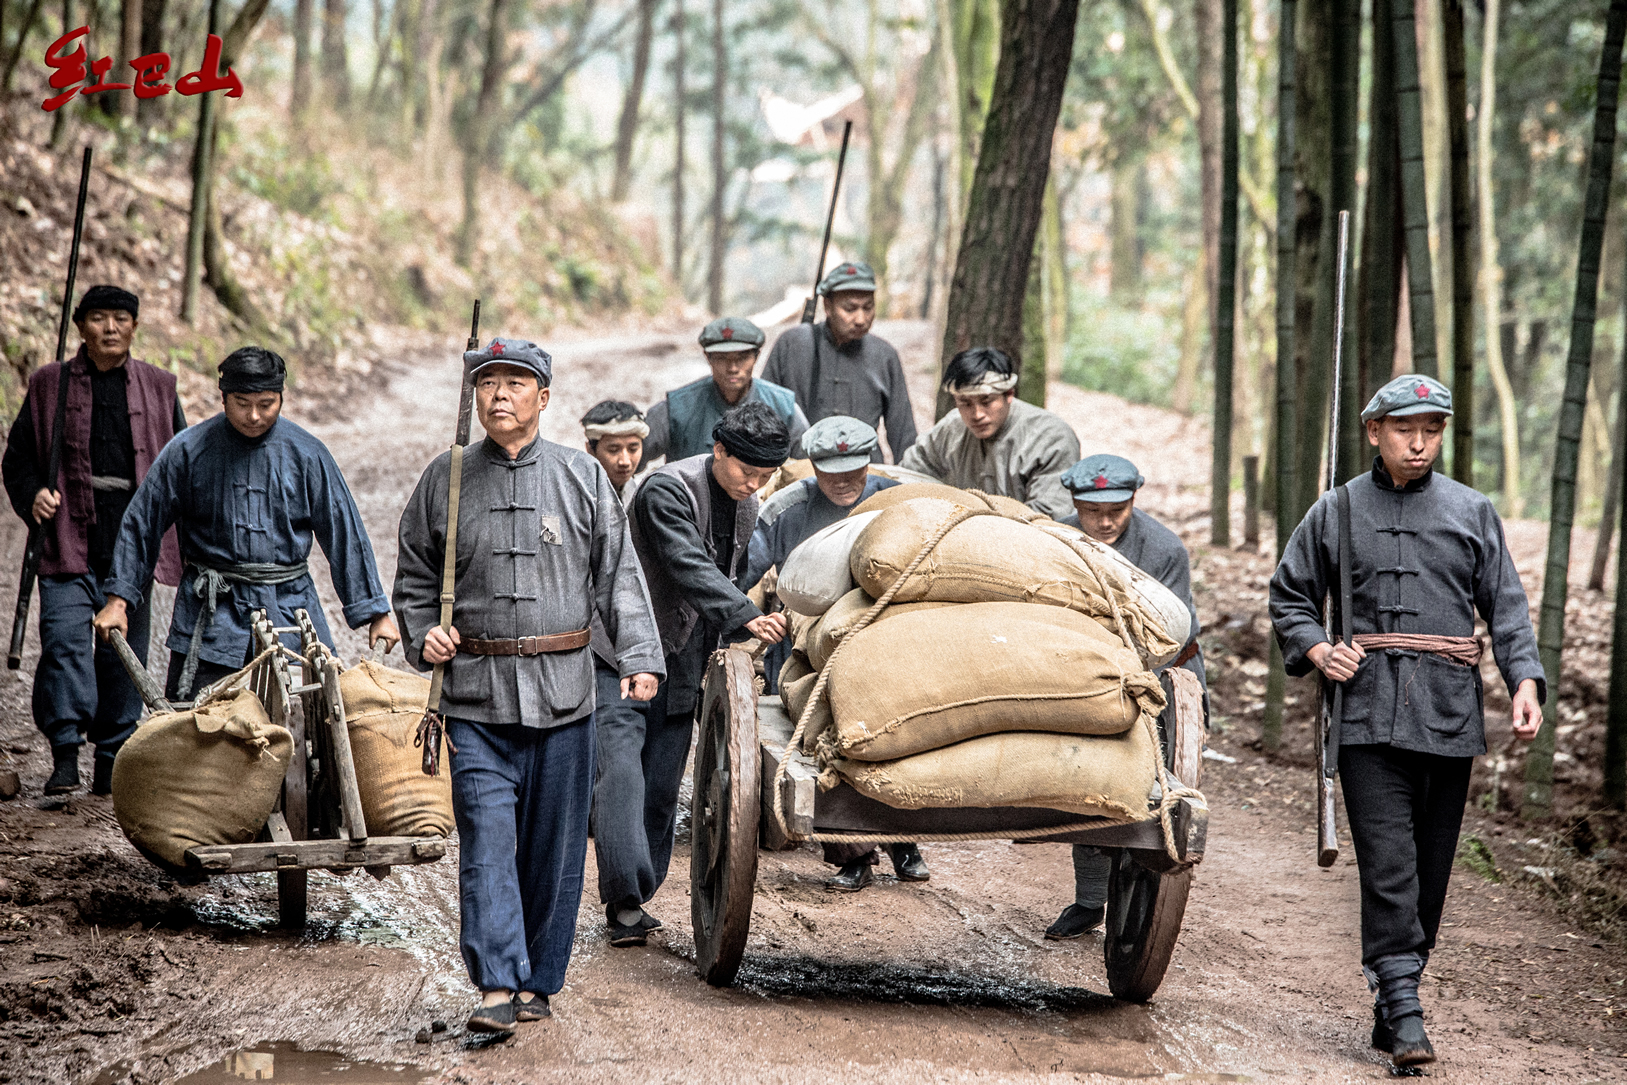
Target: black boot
x=1398 y=975
x=65 y=776
x=853 y=877
x=101 y=777
x=1383 y=1040
x=907 y=863
x=1075 y=921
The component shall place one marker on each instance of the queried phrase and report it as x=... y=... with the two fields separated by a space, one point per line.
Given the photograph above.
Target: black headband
x=106 y=297
x=252 y=369
x=770 y=453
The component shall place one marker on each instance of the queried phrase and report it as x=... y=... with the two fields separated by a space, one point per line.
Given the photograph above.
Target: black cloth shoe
x=498 y=1018
x=649 y=922
x=101 y=780
x=907 y=863
x=1382 y=1040
x=623 y=935
x=533 y=1010
x=1410 y=1045
x=65 y=776
x=1075 y=921
x=853 y=877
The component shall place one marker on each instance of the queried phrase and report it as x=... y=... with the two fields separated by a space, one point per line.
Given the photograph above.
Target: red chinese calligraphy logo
x=69 y=72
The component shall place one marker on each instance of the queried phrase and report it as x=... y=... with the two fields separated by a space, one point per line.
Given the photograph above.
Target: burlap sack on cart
x=209 y=775
x=382 y=710
x=821 y=638
x=1108 y=776
x=797 y=681
x=896 y=495
x=986 y=559
x=927 y=680
x=819 y=571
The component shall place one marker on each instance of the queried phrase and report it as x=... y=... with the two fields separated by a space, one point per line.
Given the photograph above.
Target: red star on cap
x=1101 y=481
x=850 y=270
x=1423 y=391
x=841 y=446
x=497 y=346
x=728 y=333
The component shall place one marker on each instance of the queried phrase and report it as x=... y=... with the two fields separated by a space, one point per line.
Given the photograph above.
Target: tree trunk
x=1612 y=490
x=59 y=120
x=17 y=49
x=1346 y=49
x=1041 y=342
x=1414 y=190
x=1225 y=308
x=129 y=49
x=1285 y=462
x=480 y=138
x=1539 y=763
x=300 y=98
x=1615 y=725
x=149 y=111
x=203 y=173
x=1008 y=187
x=1378 y=282
x=1126 y=179
x=1054 y=252
x=1211 y=49
x=336 y=54
x=1457 y=128
x=1313 y=261
x=1189 y=355
x=627 y=125
x=976 y=30
x=885 y=203
x=720 y=176
x=678 y=92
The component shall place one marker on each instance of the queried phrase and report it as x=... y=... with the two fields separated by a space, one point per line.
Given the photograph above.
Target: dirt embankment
x=110 y=972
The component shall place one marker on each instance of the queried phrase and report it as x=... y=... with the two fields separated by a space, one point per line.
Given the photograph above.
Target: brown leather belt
x=527 y=646
x=1186 y=654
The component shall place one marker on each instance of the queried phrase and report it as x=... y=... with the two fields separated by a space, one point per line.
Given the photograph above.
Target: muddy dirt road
x=109 y=972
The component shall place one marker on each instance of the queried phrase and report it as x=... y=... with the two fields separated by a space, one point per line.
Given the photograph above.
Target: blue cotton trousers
x=80 y=687
x=521 y=797
x=641 y=757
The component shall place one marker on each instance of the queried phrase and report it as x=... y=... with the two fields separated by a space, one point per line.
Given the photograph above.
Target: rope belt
x=213 y=583
x=1463 y=650
x=527 y=646
x=112 y=482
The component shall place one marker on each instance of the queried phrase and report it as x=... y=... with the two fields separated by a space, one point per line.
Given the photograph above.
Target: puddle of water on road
x=806 y=977
x=287 y=1063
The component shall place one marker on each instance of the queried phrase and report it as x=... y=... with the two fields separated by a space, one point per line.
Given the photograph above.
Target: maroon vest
x=151 y=395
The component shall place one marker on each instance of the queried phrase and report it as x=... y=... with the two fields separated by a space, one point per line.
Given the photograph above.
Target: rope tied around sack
x=1171 y=791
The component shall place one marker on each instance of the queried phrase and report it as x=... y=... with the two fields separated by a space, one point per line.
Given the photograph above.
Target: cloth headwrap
x=107 y=297
x=741 y=447
x=991 y=382
x=253 y=369
x=626 y=427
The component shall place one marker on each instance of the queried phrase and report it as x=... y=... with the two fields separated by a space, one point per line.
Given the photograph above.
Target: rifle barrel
x=36 y=532
x=830 y=221
x=466 y=391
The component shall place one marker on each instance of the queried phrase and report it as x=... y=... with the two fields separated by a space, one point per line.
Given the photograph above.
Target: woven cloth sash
x=1464 y=650
x=213 y=583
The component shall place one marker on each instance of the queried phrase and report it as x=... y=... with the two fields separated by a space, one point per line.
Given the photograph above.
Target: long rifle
x=812 y=303
x=432 y=726
x=37 y=530
x=1333 y=693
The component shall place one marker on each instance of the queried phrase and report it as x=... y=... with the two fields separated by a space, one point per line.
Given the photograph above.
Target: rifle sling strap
x=449 y=566
x=815 y=372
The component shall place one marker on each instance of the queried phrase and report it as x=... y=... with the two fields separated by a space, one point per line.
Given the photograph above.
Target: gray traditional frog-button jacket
x=543 y=547
x=1427 y=556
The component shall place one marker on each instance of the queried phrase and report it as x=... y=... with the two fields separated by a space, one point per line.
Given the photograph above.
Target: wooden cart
x=743 y=737
x=318 y=822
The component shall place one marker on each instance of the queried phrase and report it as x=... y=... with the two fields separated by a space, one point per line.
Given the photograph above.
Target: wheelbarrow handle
x=144 y=682
x=381 y=648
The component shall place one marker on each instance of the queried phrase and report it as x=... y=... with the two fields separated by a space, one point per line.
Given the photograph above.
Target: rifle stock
x=36 y=531
x=811 y=306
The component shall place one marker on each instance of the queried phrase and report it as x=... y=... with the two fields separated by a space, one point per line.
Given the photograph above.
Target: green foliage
x=1128 y=352
x=1476 y=856
x=303 y=182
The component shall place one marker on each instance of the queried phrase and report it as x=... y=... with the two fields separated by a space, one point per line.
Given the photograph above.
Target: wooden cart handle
x=144 y=682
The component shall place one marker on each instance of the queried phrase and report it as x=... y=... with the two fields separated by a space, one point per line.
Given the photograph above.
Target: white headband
x=626 y=427
x=990 y=383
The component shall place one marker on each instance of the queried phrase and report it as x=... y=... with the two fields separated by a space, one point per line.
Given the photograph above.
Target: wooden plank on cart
x=303 y=855
x=799 y=789
x=1190 y=726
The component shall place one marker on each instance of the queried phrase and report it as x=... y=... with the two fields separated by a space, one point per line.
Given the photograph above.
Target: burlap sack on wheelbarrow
x=382 y=710
x=896 y=495
x=1103 y=776
x=927 y=680
x=990 y=558
x=822 y=636
x=819 y=571
x=210 y=775
x=797 y=680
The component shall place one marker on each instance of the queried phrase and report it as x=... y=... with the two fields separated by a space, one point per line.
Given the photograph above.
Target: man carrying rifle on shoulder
x=1425 y=553
x=120 y=413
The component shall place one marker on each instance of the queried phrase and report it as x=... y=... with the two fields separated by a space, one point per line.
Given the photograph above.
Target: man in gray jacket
x=543 y=550
x=691 y=526
x=1426 y=554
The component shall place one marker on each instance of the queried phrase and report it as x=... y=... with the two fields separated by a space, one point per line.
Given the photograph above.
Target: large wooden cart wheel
x=1145 y=906
x=723 y=817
